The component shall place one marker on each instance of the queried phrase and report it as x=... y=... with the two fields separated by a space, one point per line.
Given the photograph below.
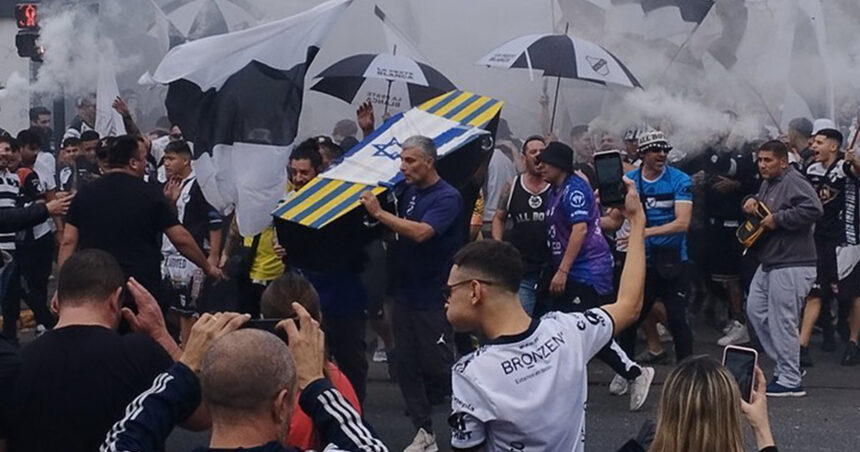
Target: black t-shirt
x=125 y=216
x=75 y=382
x=527 y=211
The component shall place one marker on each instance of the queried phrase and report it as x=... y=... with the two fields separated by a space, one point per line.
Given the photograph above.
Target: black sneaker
x=829 y=344
x=852 y=355
x=805 y=358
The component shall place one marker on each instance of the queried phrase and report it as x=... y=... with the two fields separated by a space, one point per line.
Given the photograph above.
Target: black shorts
x=849 y=287
x=826 y=268
x=724 y=254
x=579 y=297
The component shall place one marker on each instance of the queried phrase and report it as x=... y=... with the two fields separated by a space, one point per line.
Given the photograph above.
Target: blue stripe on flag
x=478 y=112
x=316 y=224
x=473 y=98
x=449 y=135
x=301 y=197
x=451 y=96
x=344 y=186
x=376 y=133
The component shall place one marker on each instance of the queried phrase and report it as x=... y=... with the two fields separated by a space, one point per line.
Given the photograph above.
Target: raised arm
x=628 y=305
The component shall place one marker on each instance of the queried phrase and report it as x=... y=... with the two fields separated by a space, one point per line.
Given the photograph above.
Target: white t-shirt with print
x=529 y=392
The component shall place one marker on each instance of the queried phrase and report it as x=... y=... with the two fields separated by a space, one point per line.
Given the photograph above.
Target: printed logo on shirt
x=535 y=201
x=459 y=430
x=411 y=206
x=577 y=199
x=538 y=354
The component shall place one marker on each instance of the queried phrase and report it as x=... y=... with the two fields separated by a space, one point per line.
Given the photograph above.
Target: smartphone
x=610 y=174
x=267 y=325
x=741 y=362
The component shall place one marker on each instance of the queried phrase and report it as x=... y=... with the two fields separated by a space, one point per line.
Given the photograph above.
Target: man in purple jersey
x=582 y=260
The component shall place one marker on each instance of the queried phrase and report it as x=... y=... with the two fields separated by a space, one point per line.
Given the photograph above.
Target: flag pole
x=388 y=91
x=557 y=85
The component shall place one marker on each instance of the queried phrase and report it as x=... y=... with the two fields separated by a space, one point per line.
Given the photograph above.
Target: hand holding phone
x=270 y=326
x=610 y=175
x=742 y=363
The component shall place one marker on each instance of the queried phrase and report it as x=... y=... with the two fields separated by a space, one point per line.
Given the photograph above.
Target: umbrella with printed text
x=562 y=56
x=386 y=78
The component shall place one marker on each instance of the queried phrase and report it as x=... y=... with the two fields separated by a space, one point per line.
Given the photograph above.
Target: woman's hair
x=700 y=410
x=277 y=299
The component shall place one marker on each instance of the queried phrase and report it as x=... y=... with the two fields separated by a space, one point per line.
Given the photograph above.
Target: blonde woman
x=700 y=411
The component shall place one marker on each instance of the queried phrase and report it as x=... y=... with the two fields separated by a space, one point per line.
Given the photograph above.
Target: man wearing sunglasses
x=667 y=197
x=527 y=387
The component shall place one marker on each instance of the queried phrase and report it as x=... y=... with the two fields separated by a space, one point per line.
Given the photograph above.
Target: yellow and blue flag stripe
x=324 y=200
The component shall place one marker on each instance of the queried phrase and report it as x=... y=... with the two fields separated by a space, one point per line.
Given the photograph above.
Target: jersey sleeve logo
x=577 y=199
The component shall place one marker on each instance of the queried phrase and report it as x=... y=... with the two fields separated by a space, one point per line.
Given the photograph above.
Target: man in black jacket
x=247 y=380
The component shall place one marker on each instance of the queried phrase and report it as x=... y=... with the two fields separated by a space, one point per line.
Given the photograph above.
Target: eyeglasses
x=447 y=289
x=660 y=150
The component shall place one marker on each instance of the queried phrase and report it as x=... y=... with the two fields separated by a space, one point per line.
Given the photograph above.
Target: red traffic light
x=27 y=15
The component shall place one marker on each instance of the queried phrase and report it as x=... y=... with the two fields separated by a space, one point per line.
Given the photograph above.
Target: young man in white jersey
x=526 y=388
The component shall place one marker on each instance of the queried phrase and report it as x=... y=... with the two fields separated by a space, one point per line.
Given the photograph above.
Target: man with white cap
x=666 y=193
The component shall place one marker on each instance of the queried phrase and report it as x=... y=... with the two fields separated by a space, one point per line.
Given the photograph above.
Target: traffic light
x=27 y=16
x=27 y=19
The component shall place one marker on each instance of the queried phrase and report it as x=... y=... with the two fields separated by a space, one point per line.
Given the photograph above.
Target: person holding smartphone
x=580 y=256
x=703 y=390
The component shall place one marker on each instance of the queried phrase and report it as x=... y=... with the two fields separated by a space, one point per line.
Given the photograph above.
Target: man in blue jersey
x=667 y=196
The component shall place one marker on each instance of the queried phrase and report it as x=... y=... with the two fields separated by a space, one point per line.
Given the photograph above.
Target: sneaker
x=738 y=334
x=648 y=357
x=729 y=326
x=805 y=357
x=640 y=387
x=775 y=389
x=829 y=343
x=852 y=355
x=423 y=442
x=665 y=335
x=379 y=356
x=618 y=386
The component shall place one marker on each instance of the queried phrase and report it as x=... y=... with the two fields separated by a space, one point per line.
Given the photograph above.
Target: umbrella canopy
x=562 y=56
x=373 y=75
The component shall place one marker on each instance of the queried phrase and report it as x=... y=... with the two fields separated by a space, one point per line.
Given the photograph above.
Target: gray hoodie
x=795 y=208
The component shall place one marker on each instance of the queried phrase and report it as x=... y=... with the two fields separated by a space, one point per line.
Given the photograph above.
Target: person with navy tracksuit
x=247 y=380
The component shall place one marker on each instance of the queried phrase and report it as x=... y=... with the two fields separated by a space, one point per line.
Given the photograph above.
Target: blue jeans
x=528 y=291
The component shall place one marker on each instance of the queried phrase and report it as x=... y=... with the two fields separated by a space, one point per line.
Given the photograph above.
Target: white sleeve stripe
x=133 y=410
x=340 y=409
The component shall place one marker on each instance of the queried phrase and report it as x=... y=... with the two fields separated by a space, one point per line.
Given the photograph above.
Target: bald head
x=243 y=372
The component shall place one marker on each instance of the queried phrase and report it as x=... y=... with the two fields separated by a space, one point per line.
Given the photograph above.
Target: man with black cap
x=668 y=198
x=581 y=258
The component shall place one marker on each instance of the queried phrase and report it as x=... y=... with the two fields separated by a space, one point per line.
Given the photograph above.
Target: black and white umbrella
x=562 y=56
x=387 y=79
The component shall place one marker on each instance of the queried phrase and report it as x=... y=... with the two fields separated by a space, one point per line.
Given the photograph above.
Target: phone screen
x=741 y=363
x=609 y=178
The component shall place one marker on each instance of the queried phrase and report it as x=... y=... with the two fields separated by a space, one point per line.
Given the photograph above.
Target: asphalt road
x=825 y=420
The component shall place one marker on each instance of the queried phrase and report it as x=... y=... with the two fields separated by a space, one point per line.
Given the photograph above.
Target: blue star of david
x=381 y=149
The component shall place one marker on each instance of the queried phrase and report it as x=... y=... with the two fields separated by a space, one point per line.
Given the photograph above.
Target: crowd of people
x=138 y=337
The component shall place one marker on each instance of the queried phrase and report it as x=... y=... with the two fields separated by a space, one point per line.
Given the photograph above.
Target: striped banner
x=453 y=120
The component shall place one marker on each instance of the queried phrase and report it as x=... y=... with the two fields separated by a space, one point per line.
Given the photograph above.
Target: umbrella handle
x=387 y=96
x=554 y=105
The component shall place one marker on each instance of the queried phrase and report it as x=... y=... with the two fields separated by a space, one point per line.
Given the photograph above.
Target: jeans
x=528 y=292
